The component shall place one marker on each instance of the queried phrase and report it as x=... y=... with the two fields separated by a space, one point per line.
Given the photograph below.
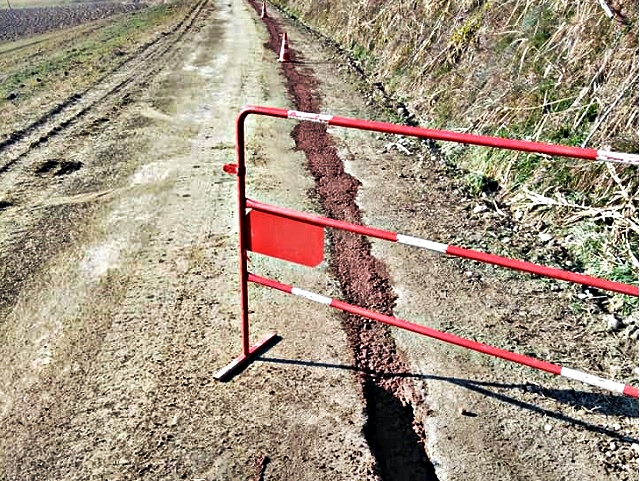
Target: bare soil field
x=25 y=22
x=119 y=288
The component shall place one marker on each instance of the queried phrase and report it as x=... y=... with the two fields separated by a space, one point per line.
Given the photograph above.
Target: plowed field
x=24 y=22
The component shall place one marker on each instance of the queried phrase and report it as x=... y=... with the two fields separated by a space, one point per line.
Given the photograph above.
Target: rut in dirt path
x=395 y=437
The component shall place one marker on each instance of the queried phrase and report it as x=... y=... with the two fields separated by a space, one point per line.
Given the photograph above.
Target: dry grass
x=548 y=70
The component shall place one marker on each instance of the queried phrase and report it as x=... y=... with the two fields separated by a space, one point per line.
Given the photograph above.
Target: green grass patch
x=587 y=242
x=290 y=11
x=538 y=24
x=566 y=135
x=359 y=52
x=476 y=183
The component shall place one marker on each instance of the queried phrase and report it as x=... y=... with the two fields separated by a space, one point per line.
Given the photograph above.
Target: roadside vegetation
x=550 y=71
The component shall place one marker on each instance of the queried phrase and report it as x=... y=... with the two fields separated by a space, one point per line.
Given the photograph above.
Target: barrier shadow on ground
x=241 y=363
x=605 y=404
x=389 y=432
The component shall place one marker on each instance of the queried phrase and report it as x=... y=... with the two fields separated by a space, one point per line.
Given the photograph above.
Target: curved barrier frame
x=246 y=233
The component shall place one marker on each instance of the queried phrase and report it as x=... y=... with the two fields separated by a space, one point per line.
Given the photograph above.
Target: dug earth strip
x=398 y=448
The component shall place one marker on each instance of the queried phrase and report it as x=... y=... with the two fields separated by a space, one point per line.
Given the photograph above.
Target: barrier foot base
x=240 y=362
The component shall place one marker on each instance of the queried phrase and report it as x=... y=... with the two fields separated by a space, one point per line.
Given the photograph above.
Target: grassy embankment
x=552 y=71
x=43 y=70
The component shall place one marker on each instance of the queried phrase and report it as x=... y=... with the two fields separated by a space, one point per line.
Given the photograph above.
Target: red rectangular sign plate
x=286 y=239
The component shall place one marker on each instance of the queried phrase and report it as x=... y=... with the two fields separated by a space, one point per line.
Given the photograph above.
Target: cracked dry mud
x=119 y=297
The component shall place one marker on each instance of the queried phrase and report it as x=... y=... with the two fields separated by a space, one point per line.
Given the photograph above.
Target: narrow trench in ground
x=395 y=437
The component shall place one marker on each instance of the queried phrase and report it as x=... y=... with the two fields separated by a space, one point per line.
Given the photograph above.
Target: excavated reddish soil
x=394 y=436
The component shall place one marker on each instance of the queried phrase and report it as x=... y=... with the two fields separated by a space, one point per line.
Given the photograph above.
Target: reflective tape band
x=425 y=244
x=312 y=296
x=606 y=8
x=620 y=157
x=320 y=118
x=593 y=380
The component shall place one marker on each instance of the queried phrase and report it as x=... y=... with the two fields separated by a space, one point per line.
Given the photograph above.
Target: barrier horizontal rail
x=586 y=378
x=449 y=136
x=515 y=264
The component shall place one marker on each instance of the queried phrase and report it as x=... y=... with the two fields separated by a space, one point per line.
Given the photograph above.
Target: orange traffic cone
x=263 y=14
x=284 y=49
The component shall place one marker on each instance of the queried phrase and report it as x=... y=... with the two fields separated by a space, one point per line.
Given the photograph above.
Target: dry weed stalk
x=549 y=70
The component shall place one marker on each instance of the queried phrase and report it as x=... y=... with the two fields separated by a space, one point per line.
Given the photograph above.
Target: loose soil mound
x=399 y=450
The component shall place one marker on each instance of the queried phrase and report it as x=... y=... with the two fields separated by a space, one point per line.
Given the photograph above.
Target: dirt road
x=118 y=295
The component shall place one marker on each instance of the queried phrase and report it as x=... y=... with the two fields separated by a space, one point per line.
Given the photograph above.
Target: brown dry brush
x=547 y=70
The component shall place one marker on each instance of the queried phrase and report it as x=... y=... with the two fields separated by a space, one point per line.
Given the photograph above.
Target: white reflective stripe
x=312 y=296
x=606 y=8
x=593 y=380
x=425 y=244
x=321 y=118
x=620 y=157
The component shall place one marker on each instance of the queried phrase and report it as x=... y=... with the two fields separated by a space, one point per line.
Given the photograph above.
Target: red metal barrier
x=450 y=338
x=515 y=264
x=298 y=237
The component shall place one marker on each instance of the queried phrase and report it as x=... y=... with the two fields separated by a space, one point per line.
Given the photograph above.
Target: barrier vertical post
x=242 y=213
x=247 y=352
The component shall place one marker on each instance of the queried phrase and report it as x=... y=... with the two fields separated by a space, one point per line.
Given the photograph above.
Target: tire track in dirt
x=143 y=64
x=395 y=437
